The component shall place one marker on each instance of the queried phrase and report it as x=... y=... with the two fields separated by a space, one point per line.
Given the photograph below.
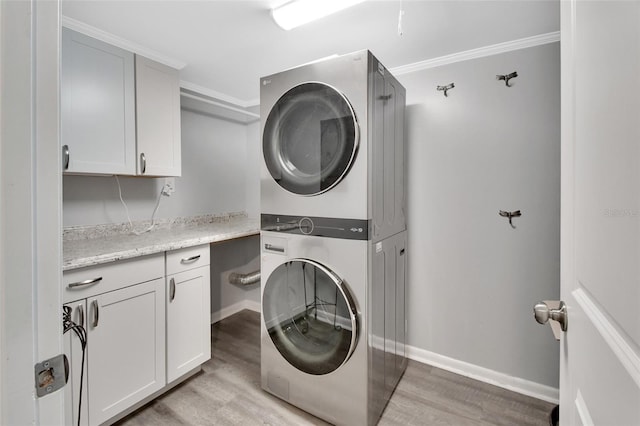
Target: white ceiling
x=228 y=45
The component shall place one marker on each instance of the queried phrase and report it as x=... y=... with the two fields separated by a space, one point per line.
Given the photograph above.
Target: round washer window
x=310 y=316
x=310 y=139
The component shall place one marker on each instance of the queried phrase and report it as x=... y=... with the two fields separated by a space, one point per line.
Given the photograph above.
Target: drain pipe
x=244 y=279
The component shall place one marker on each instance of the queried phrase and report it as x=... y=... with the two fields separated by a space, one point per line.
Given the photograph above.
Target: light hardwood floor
x=227 y=392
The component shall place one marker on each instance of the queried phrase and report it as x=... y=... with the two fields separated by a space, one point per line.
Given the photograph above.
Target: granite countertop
x=88 y=246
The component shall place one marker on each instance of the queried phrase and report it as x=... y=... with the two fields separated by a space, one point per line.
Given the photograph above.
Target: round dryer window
x=310 y=316
x=310 y=139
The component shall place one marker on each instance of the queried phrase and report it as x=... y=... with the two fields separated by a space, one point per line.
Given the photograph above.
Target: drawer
x=93 y=280
x=187 y=258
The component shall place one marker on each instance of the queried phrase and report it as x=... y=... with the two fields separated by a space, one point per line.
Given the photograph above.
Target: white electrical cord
x=126 y=209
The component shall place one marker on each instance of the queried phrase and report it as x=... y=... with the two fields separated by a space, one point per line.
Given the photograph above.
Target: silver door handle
x=96 y=313
x=542 y=314
x=172 y=289
x=84 y=283
x=190 y=259
x=81 y=315
x=143 y=163
x=65 y=157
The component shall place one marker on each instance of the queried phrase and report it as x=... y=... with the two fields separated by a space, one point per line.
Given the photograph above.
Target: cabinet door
x=73 y=350
x=188 y=321
x=98 y=106
x=158 y=119
x=126 y=348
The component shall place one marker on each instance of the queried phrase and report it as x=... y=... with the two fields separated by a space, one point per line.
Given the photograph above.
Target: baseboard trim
x=233 y=309
x=486 y=375
x=515 y=384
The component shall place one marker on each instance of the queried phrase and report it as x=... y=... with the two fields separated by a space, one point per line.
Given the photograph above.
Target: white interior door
x=30 y=209
x=600 y=353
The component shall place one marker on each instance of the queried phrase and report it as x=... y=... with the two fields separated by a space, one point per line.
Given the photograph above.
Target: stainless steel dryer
x=333 y=309
x=333 y=143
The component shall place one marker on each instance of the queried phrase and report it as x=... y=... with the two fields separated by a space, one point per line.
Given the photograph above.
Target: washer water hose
x=244 y=279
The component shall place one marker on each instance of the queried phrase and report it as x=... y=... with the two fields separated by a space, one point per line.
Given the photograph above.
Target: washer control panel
x=351 y=229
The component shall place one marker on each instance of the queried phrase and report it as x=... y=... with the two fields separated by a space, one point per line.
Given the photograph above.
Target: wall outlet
x=169 y=186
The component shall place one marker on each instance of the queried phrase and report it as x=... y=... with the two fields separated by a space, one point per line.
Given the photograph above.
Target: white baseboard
x=515 y=384
x=235 y=308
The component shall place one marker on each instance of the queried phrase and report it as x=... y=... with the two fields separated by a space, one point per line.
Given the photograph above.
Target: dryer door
x=310 y=316
x=310 y=139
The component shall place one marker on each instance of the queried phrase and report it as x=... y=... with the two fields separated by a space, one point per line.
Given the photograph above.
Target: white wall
x=472 y=278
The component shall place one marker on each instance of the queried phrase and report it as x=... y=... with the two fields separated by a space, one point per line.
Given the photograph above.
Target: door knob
x=543 y=313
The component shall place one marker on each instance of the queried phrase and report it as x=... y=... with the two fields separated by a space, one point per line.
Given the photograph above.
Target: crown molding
x=102 y=35
x=480 y=52
x=466 y=55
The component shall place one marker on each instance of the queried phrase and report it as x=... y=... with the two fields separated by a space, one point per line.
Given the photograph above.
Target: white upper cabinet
x=98 y=106
x=158 y=115
x=120 y=112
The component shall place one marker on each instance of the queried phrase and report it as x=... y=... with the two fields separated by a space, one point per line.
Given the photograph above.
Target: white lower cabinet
x=148 y=324
x=126 y=348
x=188 y=310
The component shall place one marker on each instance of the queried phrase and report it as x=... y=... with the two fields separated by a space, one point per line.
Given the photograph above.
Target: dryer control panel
x=349 y=229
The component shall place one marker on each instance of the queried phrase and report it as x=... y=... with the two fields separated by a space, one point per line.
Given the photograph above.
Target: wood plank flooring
x=227 y=392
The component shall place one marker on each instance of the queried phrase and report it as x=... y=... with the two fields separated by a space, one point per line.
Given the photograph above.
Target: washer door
x=310 y=316
x=310 y=139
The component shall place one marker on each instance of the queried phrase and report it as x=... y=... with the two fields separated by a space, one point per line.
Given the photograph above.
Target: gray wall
x=254 y=162
x=219 y=175
x=214 y=155
x=472 y=278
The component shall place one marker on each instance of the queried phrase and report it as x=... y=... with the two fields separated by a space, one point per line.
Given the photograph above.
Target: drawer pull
x=172 y=289
x=84 y=283
x=190 y=259
x=96 y=313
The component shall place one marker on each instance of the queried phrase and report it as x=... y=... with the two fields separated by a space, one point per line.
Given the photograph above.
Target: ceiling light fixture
x=299 y=12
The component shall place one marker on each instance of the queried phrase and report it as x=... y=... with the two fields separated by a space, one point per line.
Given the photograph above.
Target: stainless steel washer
x=332 y=343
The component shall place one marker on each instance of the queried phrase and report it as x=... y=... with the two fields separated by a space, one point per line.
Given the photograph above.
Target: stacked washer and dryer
x=333 y=237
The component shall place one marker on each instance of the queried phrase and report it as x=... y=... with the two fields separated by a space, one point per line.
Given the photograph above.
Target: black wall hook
x=445 y=88
x=510 y=215
x=507 y=77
